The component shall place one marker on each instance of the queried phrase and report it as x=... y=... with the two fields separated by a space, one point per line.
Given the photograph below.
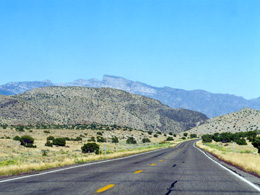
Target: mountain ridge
x=80 y=105
x=211 y=104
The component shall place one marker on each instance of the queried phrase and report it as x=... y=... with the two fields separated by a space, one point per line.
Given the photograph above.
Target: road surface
x=180 y=170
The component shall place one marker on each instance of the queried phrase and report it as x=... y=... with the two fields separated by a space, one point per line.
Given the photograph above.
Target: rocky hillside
x=244 y=120
x=201 y=101
x=72 y=105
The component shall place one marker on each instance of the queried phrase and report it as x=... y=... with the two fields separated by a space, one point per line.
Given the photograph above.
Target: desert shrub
x=146 y=140
x=150 y=132
x=90 y=147
x=17 y=138
x=20 y=128
x=256 y=143
x=185 y=134
x=131 y=140
x=50 y=138
x=101 y=139
x=27 y=141
x=206 y=138
x=46 y=131
x=76 y=139
x=169 y=139
x=92 y=139
x=193 y=135
x=99 y=133
x=183 y=138
x=59 y=141
x=241 y=141
x=115 y=139
x=159 y=132
x=174 y=135
x=48 y=143
x=170 y=133
x=155 y=135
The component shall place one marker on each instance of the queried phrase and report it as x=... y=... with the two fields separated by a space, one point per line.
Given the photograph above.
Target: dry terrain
x=244 y=156
x=244 y=120
x=16 y=158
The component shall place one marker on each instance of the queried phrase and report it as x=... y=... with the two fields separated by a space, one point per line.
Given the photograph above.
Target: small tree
x=59 y=141
x=193 y=135
x=146 y=140
x=16 y=138
x=101 y=139
x=131 y=140
x=27 y=141
x=90 y=147
x=50 y=138
x=256 y=143
x=115 y=140
x=206 y=138
x=169 y=139
x=48 y=143
x=92 y=139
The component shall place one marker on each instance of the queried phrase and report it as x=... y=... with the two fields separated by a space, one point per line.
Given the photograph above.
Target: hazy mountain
x=20 y=87
x=198 y=100
x=73 y=105
x=243 y=120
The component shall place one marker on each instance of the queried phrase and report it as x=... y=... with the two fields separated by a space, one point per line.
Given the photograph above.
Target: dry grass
x=244 y=157
x=16 y=159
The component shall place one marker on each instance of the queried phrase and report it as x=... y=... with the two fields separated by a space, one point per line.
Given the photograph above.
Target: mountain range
x=208 y=103
x=83 y=105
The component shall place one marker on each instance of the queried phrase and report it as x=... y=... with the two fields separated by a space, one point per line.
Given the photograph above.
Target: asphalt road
x=180 y=170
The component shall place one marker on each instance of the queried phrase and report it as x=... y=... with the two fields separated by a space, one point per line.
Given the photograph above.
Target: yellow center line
x=138 y=171
x=153 y=164
x=169 y=155
x=161 y=160
x=105 y=188
x=166 y=157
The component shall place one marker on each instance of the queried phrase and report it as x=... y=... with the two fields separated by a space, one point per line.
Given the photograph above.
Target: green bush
x=170 y=133
x=241 y=141
x=17 y=138
x=101 y=139
x=50 y=138
x=131 y=140
x=174 y=135
x=27 y=141
x=185 y=134
x=115 y=139
x=20 y=128
x=169 y=139
x=90 y=147
x=92 y=139
x=150 y=132
x=256 y=143
x=146 y=140
x=206 y=138
x=193 y=135
x=48 y=143
x=99 y=133
x=155 y=135
x=46 y=131
x=59 y=141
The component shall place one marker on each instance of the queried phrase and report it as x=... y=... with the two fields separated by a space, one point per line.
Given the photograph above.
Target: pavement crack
x=171 y=188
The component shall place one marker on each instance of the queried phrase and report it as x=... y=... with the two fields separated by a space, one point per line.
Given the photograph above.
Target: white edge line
x=235 y=174
x=77 y=166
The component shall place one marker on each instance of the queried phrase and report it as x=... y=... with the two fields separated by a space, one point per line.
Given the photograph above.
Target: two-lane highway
x=180 y=170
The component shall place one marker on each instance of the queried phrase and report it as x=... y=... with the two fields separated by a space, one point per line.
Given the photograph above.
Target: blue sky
x=187 y=44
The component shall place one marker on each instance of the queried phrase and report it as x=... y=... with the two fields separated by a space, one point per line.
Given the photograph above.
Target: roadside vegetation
x=26 y=148
x=240 y=149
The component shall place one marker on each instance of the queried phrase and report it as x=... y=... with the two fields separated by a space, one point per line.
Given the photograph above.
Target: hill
x=81 y=105
x=244 y=120
x=198 y=100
